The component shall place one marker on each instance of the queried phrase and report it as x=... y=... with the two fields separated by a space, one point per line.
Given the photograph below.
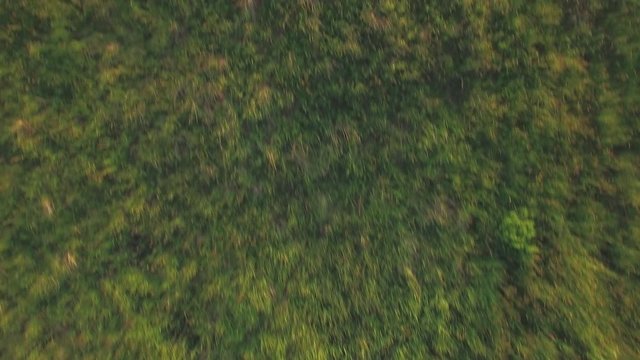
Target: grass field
x=320 y=179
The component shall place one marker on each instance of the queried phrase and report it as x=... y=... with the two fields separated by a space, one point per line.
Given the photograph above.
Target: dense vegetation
x=320 y=179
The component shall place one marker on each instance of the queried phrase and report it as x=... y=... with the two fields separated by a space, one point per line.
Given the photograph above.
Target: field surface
x=320 y=179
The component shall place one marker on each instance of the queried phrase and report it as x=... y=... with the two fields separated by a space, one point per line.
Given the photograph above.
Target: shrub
x=517 y=230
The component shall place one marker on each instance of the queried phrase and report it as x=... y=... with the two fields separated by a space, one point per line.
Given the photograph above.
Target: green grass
x=319 y=179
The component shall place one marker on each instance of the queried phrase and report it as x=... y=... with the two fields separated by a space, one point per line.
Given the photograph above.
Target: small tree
x=516 y=232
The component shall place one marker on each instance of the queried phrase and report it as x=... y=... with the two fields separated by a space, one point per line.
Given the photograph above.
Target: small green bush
x=516 y=232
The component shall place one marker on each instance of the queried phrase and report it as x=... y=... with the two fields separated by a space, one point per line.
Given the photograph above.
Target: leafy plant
x=517 y=231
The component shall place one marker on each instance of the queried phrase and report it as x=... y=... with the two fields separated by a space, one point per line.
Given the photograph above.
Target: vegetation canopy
x=320 y=179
